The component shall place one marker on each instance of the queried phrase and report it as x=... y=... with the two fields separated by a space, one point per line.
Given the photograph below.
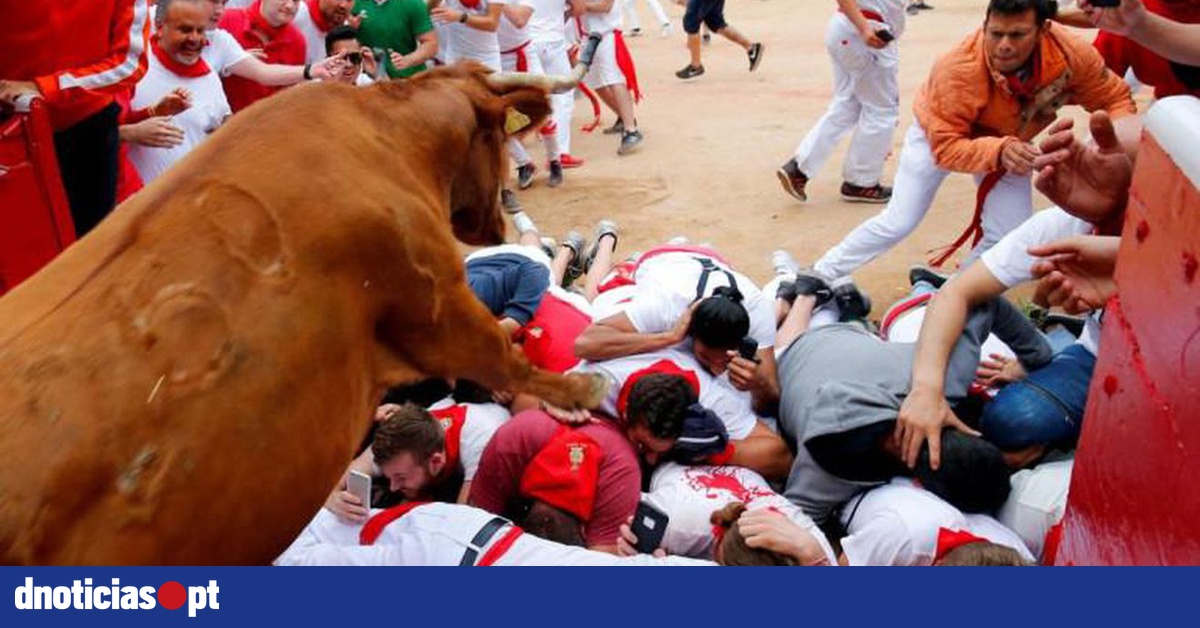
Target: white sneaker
x=784 y=263
x=668 y=29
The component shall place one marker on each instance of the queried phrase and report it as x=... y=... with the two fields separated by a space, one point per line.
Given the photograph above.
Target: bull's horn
x=552 y=84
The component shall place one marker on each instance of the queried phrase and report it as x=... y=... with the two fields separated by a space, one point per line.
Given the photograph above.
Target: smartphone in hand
x=649 y=526
x=885 y=35
x=748 y=349
x=359 y=484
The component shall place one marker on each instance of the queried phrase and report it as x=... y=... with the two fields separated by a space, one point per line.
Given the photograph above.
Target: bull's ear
x=524 y=109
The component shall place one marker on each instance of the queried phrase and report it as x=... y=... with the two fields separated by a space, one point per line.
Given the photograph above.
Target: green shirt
x=393 y=25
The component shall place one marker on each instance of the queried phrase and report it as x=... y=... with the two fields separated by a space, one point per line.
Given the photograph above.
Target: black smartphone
x=354 y=58
x=885 y=35
x=748 y=349
x=649 y=526
x=1105 y=4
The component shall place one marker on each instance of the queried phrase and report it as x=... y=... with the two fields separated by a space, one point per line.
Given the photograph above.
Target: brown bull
x=186 y=384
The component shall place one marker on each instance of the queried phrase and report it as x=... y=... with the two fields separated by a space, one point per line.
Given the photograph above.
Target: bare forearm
x=601 y=342
x=945 y=318
x=769 y=456
x=1166 y=38
x=272 y=74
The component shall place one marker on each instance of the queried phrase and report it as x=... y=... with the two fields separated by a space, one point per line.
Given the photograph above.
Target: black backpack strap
x=708 y=267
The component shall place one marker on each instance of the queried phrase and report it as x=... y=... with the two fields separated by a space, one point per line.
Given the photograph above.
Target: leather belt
x=480 y=539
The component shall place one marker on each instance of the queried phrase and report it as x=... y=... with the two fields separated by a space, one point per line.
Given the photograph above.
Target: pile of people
x=773 y=423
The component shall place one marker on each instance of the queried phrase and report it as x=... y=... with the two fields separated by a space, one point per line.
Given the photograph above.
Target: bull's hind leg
x=464 y=341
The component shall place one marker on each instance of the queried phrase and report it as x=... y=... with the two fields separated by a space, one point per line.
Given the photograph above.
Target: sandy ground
x=707 y=166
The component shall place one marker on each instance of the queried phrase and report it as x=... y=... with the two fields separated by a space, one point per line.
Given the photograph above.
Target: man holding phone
x=866 y=61
x=359 y=63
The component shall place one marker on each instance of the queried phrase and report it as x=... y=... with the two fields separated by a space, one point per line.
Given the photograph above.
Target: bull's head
x=510 y=104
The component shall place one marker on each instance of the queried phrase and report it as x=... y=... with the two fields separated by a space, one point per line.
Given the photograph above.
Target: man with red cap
x=751 y=443
x=590 y=472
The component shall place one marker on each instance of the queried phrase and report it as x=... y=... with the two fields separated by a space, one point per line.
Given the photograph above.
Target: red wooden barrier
x=1135 y=490
x=35 y=220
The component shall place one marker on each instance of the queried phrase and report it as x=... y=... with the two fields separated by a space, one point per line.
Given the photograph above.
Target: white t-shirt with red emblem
x=716 y=393
x=690 y=494
x=902 y=524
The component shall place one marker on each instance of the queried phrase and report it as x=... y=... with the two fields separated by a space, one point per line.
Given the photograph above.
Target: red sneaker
x=569 y=161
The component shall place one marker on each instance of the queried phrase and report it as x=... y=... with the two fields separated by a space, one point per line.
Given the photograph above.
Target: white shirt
x=689 y=495
x=438 y=535
x=223 y=51
x=892 y=12
x=471 y=43
x=546 y=23
x=481 y=422
x=508 y=36
x=314 y=38
x=1012 y=264
x=666 y=287
x=1037 y=502
x=716 y=393
x=898 y=524
x=208 y=111
x=604 y=23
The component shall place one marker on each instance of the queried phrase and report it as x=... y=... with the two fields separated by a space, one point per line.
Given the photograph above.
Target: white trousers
x=866 y=98
x=918 y=178
x=516 y=150
x=655 y=6
x=553 y=59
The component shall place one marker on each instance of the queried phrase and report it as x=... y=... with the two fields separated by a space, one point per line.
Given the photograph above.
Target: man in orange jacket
x=982 y=104
x=76 y=55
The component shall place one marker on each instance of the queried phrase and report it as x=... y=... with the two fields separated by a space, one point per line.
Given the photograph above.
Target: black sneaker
x=806 y=284
x=851 y=302
x=525 y=175
x=792 y=180
x=690 y=71
x=629 y=142
x=920 y=273
x=556 y=174
x=618 y=128
x=755 y=54
x=878 y=194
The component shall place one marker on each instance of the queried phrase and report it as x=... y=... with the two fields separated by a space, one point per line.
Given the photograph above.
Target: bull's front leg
x=465 y=341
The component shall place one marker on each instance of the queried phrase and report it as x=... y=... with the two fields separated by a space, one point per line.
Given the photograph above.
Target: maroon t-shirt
x=497 y=482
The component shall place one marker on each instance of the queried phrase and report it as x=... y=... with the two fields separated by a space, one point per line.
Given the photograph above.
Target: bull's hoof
x=598 y=386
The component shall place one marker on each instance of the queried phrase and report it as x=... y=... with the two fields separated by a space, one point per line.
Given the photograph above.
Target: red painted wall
x=1135 y=490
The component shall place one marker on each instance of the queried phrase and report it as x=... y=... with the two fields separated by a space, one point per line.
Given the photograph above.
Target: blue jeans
x=1046 y=408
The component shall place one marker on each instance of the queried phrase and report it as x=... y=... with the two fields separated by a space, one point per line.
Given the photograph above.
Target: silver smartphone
x=359 y=483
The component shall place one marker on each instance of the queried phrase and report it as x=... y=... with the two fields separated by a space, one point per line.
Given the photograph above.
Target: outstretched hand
x=1076 y=273
x=1089 y=181
x=1122 y=19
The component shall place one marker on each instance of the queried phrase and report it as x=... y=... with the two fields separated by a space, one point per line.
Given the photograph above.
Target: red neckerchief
x=1024 y=89
x=375 y=525
x=452 y=419
x=259 y=24
x=197 y=69
x=948 y=540
x=314 y=11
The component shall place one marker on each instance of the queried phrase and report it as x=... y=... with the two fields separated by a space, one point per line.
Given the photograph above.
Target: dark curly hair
x=660 y=402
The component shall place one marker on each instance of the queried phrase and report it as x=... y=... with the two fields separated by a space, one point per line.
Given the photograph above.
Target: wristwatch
x=463 y=19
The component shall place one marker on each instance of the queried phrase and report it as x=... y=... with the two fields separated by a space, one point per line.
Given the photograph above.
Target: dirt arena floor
x=712 y=144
